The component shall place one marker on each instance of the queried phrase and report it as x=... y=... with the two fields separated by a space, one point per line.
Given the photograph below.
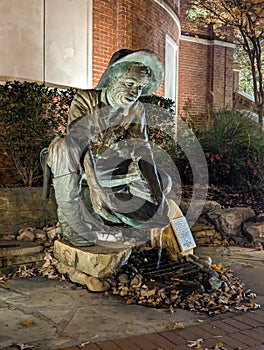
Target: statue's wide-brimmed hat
x=126 y=57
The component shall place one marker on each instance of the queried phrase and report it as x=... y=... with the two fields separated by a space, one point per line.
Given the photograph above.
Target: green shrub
x=160 y=115
x=233 y=145
x=31 y=115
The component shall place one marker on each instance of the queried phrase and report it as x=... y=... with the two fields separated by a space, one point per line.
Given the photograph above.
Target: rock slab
x=97 y=261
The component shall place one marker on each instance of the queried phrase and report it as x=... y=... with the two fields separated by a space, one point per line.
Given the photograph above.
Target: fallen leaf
x=27 y=323
x=248 y=265
x=195 y=343
x=25 y=347
x=11 y=307
x=241 y=308
x=219 y=346
x=177 y=325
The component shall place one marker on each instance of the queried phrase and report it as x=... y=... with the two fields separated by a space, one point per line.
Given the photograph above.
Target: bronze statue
x=104 y=174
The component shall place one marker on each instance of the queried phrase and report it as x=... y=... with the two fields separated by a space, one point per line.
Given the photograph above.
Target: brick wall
x=206 y=79
x=132 y=24
x=222 y=76
x=104 y=35
x=193 y=80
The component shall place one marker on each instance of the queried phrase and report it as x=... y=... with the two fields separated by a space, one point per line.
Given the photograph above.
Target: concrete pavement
x=51 y=314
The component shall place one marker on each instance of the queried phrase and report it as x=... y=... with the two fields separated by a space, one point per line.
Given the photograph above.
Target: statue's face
x=126 y=89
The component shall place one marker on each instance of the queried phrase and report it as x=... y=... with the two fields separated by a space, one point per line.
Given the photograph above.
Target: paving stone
x=28 y=328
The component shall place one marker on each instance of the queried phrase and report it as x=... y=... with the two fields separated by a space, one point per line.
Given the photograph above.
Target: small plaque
x=183 y=234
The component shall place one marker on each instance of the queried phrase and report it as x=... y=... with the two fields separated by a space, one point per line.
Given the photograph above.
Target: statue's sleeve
x=83 y=103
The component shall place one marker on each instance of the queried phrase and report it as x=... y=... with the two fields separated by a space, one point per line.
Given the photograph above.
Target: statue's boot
x=76 y=239
x=79 y=241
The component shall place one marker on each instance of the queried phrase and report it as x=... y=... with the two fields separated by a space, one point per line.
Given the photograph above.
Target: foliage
x=160 y=114
x=245 y=19
x=245 y=75
x=31 y=115
x=233 y=145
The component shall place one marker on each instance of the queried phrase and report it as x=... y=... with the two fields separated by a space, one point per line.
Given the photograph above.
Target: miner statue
x=104 y=174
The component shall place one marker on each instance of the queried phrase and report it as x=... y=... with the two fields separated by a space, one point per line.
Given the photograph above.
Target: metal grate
x=167 y=272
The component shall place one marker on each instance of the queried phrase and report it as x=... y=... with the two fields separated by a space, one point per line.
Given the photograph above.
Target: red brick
x=108 y=345
x=249 y=321
x=237 y=324
x=257 y=316
x=173 y=337
x=259 y=329
x=232 y=343
x=200 y=332
x=160 y=341
x=188 y=334
x=224 y=326
x=212 y=329
x=255 y=334
x=243 y=339
x=124 y=344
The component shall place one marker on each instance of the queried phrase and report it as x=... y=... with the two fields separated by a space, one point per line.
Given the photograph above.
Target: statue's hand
x=163 y=211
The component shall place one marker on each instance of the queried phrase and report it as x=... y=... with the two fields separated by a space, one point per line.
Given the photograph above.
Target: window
x=47 y=41
x=171 y=71
x=67 y=45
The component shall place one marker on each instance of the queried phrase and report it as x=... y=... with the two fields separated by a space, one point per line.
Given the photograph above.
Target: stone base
x=166 y=238
x=93 y=284
x=97 y=261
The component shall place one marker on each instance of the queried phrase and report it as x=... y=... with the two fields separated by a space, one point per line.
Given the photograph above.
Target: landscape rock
x=93 y=284
x=205 y=234
x=53 y=232
x=40 y=234
x=97 y=261
x=26 y=234
x=206 y=261
x=97 y=285
x=254 y=231
x=229 y=221
x=200 y=207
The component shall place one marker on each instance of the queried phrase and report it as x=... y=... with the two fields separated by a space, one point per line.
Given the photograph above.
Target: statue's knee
x=174 y=210
x=166 y=182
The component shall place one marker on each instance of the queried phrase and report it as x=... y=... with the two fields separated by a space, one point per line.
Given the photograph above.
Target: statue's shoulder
x=86 y=95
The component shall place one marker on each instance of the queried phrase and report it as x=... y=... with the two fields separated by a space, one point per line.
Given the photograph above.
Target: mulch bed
x=229 y=197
